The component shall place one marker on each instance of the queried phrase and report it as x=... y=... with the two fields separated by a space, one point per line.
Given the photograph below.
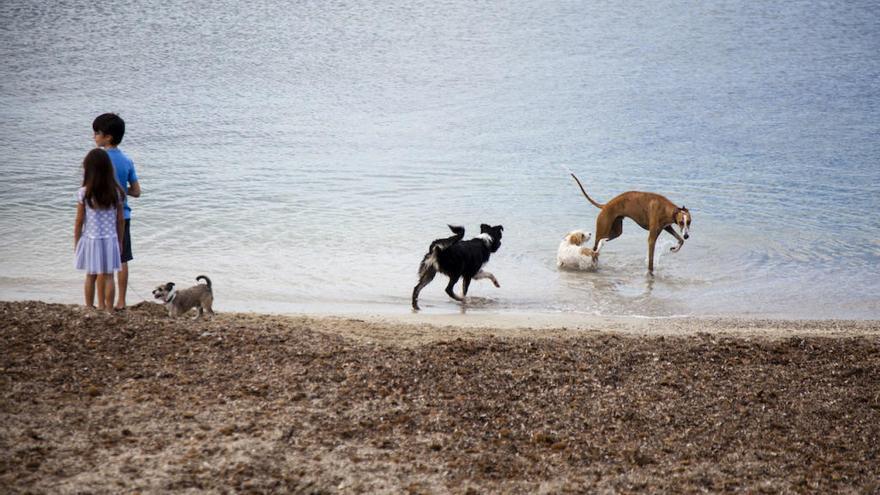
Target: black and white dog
x=458 y=259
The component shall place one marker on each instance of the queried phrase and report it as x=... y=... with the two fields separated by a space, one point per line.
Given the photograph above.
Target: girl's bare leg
x=109 y=291
x=89 y=289
x=102 y=291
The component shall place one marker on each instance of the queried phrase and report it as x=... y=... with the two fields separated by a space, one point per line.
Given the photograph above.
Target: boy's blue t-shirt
x=125 y=173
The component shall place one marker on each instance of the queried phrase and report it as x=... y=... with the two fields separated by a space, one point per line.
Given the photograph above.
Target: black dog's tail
x=441 y=244
x=430 y=259
x=207 y=280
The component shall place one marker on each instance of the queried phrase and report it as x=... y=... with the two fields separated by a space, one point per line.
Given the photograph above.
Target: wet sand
x=139 y=403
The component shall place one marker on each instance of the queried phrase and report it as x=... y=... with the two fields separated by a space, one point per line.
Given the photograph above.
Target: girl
x=97 y=232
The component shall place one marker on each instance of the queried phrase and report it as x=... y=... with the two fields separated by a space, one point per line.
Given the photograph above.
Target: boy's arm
x=120 y=226
x=78 y=224
x=134 y=189
x=134 y=186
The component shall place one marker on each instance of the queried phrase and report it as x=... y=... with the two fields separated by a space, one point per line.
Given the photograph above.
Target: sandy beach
x=139 y=403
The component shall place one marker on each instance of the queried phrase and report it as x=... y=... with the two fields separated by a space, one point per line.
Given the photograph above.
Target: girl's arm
x=78 y=224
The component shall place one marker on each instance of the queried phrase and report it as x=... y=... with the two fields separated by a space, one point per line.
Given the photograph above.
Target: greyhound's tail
x=597 y=205
x=207 y=280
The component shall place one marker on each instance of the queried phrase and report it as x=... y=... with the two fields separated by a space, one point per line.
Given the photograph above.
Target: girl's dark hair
x=99 y=179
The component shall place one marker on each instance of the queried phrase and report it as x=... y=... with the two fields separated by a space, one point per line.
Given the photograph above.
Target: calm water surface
x=303 y=155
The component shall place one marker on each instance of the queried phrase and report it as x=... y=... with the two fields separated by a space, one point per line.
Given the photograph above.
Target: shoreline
x=138 y=402
x=399 y=310
x=416 y=328
x=419 y=328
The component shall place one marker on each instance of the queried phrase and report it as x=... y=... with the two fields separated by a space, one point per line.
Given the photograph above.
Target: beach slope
x=137 y=402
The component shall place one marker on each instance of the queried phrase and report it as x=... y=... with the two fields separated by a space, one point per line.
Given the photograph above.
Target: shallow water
x=304 y=156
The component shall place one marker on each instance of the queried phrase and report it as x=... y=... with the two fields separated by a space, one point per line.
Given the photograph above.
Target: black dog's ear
x=484 y=227
x=169 y=286
x=501 y=228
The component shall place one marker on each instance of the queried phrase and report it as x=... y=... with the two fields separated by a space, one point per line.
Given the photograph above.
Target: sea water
x=304 y=154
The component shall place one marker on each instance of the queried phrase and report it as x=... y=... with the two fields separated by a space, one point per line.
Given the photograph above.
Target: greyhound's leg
x=603 y=227
x=672 y=231
x=616 y=228
x=483 y=274
x=609 y=230
x=425 y=278
x=612 y=230
x=450 y=285
x=652 y=241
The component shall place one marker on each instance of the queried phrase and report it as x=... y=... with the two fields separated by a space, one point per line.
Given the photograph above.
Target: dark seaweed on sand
x=136 y=402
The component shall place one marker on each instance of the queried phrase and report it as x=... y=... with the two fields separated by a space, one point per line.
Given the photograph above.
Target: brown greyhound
x=652 y=212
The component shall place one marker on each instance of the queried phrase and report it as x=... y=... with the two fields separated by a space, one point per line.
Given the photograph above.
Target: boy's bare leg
x=89 y=290
x=122 y=275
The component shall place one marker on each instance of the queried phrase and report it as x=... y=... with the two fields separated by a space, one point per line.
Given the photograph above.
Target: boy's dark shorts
x=126 y=242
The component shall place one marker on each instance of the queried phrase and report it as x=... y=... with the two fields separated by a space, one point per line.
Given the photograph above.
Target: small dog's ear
x=169 y=286
x=484 y=228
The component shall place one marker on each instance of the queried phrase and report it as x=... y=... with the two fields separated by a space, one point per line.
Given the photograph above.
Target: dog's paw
x=497 y=284
x=675 y=249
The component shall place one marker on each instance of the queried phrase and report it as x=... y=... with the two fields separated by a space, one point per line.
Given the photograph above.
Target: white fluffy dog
x=574 y=257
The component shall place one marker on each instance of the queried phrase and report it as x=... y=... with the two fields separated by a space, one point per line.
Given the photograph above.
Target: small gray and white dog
x=179 y=302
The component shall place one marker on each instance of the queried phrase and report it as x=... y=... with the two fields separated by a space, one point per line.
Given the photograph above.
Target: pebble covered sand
x=139 y=403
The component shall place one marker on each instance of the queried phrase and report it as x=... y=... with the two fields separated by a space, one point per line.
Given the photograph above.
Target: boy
x=109 y=129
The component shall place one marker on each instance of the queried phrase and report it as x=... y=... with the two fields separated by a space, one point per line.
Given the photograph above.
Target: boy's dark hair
x=110 y=124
